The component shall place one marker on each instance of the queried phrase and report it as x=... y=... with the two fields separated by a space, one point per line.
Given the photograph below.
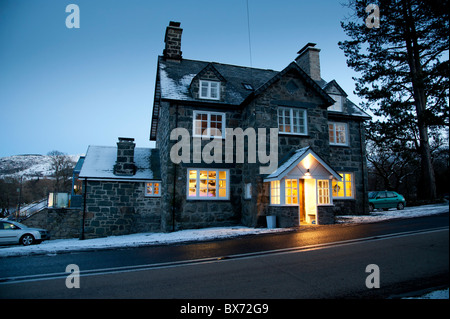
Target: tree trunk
x=427 y=183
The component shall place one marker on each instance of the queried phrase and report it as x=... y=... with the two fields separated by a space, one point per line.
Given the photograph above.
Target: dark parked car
x=386 y=200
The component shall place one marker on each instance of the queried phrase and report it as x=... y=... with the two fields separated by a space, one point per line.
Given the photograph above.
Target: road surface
x=327 y=262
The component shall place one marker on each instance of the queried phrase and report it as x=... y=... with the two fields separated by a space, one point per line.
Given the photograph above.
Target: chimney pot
x=125 y=165
x=172 y=39
x=308 y=59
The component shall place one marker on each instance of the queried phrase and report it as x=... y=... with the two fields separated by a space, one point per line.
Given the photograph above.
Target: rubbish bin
x=271 y=221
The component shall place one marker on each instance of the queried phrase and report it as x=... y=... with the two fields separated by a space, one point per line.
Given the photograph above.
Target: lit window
x=291 y=191
x=207 y=184
x=209 y=124
x=152 y=189
x=209 y=90
x=337 y=106
x=338 y=133
x=323 y=189
x=275 y=192
x=292 y=121
x=343 y=189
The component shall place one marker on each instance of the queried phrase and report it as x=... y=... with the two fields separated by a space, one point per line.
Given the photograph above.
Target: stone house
x=121 y=188
x=312 y=132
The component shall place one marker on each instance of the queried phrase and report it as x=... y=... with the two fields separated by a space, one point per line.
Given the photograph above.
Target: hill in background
x=29 y=166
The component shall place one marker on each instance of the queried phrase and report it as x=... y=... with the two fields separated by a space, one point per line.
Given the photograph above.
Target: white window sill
x=295 y=134
x=333 y=144
x=207 y=198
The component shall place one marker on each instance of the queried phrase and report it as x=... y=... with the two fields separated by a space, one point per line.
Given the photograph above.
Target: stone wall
x=166 y=123
x=263 y=112
x=120 y=208
x=325 y=215
x=61 y=223
x=178 y=213
x=352 y=159
x=287 y=216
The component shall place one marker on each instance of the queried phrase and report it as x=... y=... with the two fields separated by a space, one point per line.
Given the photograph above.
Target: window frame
x=208 y=124
x=327 y=190
x=291 y=120
x=152 y=194
x=345 y=184
x=209 y=90
x=217 y=184
x=274 y=186
x=334 y=134
x=338 y=106
x=292 y=188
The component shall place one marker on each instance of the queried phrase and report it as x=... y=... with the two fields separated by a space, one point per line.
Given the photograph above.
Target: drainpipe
x=361 y=132
x=84 y=210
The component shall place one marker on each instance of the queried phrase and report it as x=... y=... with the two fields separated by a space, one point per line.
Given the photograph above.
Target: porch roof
x=299 y=155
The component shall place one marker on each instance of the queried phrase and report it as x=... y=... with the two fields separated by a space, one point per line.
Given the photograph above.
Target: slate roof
x=175 y=78
x=99 y=164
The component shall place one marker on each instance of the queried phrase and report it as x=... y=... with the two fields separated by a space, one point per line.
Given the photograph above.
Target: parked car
x=12 y=232
x=386 y=200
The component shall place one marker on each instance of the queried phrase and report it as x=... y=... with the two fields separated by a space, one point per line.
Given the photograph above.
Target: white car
x=12 y=232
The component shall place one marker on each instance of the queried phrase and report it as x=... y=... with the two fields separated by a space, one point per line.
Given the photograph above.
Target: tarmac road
x=411 y=259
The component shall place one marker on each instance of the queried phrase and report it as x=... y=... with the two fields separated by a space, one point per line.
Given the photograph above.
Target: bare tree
x=62 y=167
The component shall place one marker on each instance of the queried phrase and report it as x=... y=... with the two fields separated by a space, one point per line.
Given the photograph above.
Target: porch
x=300 y=190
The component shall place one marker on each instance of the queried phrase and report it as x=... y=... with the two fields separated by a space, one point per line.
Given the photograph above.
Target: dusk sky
x=65 y=89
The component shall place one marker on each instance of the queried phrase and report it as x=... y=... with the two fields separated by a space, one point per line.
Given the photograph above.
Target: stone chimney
x=172 y=39
x=125 y=165
x=308 y=60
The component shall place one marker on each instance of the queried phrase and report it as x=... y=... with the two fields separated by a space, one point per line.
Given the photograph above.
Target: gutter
x=362 y=147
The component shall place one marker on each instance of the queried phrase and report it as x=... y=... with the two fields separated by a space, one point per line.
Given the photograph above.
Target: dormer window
x=337 y=106
x=209 y=90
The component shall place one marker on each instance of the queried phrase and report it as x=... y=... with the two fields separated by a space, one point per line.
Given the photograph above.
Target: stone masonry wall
x=183 y=213
x=165 y=124
x=61 y=223
x=352 y=159
x=120 y=208
x=263 y=112
x=178 y=213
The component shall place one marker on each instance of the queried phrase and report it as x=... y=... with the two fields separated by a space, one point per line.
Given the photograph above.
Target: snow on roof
x=100 y=160
x=176 y=77
x=293 y=159
x=174 y=89
x=296 y=158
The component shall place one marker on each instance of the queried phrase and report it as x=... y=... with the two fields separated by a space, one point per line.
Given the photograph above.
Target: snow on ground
x=437 y=294
x=133 y=240
x=393 y=213
x=146 y=239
